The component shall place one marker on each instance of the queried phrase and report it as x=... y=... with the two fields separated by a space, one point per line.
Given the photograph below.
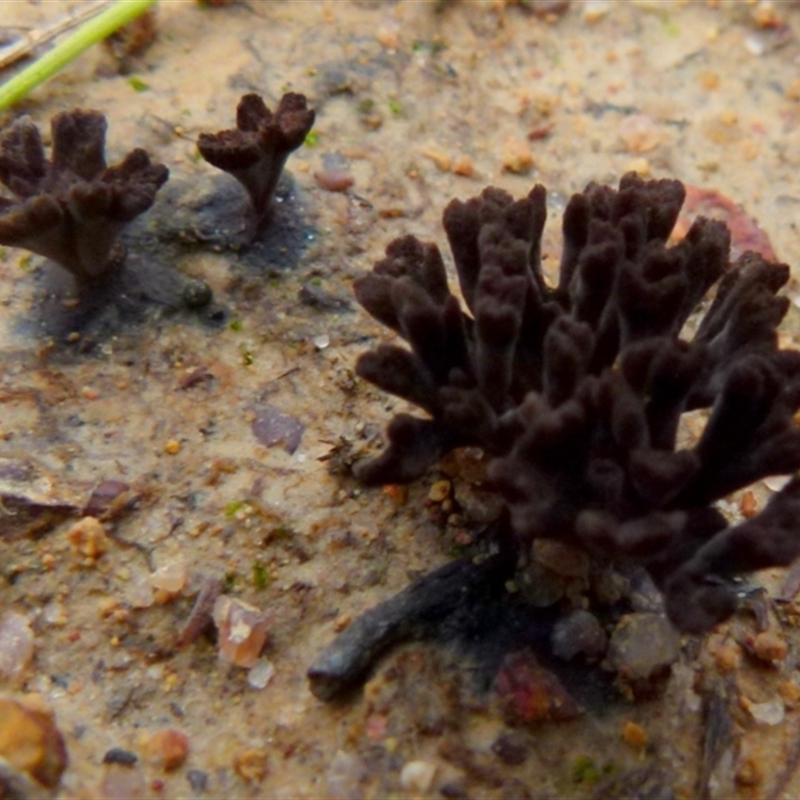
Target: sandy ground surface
x=407 y=96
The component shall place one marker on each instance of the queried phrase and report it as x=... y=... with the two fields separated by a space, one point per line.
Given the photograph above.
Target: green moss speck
x=232 y=508
x=248 y=355
x=261 y=577
x=137 y=84
x=229 y=581
x=583 y=770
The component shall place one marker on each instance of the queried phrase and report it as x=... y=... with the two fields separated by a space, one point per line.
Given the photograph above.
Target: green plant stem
x=90 y=33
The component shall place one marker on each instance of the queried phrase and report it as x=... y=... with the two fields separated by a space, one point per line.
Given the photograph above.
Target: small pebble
x=198 y=780
x=563 y=559
x=167 y=749
x=270 y=427
x=103 y=497
x=790 y=693
x=243 y=630
x=748 y=505
x=792 y=90
x=344 y=776
x=16 y=646
x=260 y=674
x=333 y=180
x=728 y=657
x=634 y=734
x=578 y=633
x=517 y=157
x=417 y=776
x=88 y=538
x=776 y=482
x=749 y=771
x=755 y=44
x=770 y=712
x=197 y=294
x=464 y=167
x=529 y=693
x=439 y=491
x=251 y=765
x=643 y=645
x=122 y=782
x=769 y=646
x=171 y=576
x=442 y=160
x=30 y=742
x=639 y=133
x=594 y=10
x=511 y=748
x=118 y=755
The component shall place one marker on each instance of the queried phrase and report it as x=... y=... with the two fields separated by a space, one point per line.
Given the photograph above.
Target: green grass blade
x=90 y=33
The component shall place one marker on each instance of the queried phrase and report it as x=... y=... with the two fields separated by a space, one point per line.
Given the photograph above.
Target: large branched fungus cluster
x=576 y=391
x=73 y=208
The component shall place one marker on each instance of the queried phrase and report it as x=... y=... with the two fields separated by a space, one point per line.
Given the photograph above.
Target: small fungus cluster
x=576 y=391
x=73 y=208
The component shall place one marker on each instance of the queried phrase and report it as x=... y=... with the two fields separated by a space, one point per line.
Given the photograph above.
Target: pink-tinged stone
x=271 y=427
x=16 y=647
x=170 y=577
x=529 y=693
x=243 y=630
x=122 y=782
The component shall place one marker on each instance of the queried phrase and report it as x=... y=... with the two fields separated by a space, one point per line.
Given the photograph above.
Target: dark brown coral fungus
x=256 y=151
x=576 y=391
x=73 y=208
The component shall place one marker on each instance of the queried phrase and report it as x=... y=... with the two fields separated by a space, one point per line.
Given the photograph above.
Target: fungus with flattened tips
x=72 y=208
x=255 y=152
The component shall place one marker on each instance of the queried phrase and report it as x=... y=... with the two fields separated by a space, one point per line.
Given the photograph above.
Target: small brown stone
x=464 y=167
x=512 y=748
x=749 y=772
x=769 y=646
x=563 y=559
x=88 y=538
x=251 y=765
x=748 y=505
x=30 y=741
x=167 y=749
x=634 y=734
x=517 y=157
x=790 y=693
x=728 y=657
x=333 y=180
x=243 y=630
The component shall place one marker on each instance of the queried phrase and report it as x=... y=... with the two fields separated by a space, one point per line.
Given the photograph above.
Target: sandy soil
x=408 y=95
